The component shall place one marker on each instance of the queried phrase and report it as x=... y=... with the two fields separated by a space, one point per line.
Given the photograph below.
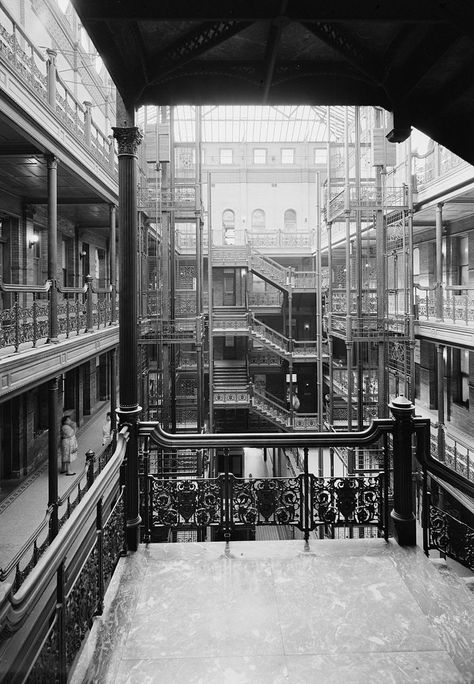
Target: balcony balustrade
x=41 y=78
x=367 y=300
x=456 y=454
x=366 y=197
x=267 y=299
x=292 y=239
x=340 y=378
x=27 y=558
x=435 y=163
x=27 y=321
x=230 y=503
x=446 y=303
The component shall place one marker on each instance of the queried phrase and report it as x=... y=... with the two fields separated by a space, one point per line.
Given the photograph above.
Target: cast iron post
x=402 y=514
x=53 y=429
x=128 y=138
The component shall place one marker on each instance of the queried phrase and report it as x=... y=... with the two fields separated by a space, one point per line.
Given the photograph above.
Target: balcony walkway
x=24 y=502
x=272 y=612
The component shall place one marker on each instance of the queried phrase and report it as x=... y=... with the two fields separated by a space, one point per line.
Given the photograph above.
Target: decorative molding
x=128 y=140
x=27 y=369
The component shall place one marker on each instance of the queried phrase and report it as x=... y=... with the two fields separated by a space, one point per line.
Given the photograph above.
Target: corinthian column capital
x=128 y=140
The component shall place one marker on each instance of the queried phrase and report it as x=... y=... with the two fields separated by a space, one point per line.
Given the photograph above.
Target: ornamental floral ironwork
x=228 y=502
x=451 y=537
x=267 y=501
x=347 y=500
x=182 y=503
x=82 y=604
x=113 y=540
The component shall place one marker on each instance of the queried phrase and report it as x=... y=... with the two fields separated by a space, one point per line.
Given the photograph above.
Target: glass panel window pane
x=260 y=155
x=287 y=155
x=320 y=155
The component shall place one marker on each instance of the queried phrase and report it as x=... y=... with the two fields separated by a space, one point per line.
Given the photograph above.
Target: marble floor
x=271 y=612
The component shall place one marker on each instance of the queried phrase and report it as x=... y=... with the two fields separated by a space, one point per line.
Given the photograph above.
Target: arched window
x=258 y=219
x=228 y=226
x=289 y=220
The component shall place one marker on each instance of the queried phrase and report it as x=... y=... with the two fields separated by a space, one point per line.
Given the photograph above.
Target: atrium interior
x=274 y=301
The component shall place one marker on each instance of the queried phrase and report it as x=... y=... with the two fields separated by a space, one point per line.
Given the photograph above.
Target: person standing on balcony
x=107 y=429
x=68 y=444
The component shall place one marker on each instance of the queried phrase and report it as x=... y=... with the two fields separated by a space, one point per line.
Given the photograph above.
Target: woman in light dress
x=68 y=444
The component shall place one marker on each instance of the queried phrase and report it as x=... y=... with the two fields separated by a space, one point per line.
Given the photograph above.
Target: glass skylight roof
x=285 y=124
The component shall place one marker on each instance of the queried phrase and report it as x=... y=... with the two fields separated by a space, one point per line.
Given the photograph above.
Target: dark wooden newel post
x=128 y=138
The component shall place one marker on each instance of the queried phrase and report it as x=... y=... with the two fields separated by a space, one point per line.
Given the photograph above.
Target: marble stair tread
x=277 y=611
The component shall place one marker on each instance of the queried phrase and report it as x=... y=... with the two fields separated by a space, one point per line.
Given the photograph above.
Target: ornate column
x=440 y=349
x=51 y=77
x=53 y=430
x=128 y=138
x=402 y=514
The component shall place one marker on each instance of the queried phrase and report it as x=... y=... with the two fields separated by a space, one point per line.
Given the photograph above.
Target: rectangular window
x=287 y=155
x=320 y=155
x=226 y=156
x=260 y=155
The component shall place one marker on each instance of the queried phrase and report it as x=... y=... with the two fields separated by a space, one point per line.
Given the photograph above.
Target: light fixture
x=82 y=254
x=34 y=239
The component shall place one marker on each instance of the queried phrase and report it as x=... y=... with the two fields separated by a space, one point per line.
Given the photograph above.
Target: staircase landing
x=272 y=612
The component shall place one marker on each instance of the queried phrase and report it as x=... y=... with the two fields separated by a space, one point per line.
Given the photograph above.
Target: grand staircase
x=231 y=384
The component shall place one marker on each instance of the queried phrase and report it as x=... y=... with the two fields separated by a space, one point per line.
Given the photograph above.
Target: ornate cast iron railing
x=79 y=310
x=54 y=607
x=441 y=530
x=40 y=76
x=28 y=557
x=230 y=503
x=288 y=239
x=453 y=303
x=451 y=537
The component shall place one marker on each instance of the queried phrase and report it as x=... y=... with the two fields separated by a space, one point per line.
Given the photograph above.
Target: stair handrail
x=264 y=257
x=282 y=340
x=271 y=399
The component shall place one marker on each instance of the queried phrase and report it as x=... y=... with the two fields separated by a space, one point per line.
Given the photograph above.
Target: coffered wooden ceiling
x=412 y=57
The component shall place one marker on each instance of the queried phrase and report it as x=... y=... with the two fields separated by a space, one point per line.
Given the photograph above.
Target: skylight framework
x=266 y=124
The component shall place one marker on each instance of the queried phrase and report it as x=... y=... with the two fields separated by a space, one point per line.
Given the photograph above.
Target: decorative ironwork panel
x=452 y=537
x=185 y=303
x=231 y=397
x=306 y=421
x=186 y=276
x=270 y=410
x=46 y=667
x=267 y=501
x=396 y=233
x=265 y=298
x=82 y=604
x=186 y=503
x=270 y=269
x=262 y=357
x=186 y=387
x=347 y=500
x=113 y=540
